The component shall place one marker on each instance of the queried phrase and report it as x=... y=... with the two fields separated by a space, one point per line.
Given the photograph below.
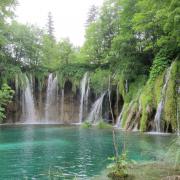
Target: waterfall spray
x=160 y=107
x=28 y=108
x=96 y=112
x=119 y=119
x=51 y=99
x=62 y=105
x=83 y=93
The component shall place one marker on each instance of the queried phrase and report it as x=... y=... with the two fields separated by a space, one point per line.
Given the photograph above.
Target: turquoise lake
x=45 y=151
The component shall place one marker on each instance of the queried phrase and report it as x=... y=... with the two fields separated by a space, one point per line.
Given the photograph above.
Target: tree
x=50 y=25
x=92 y=15
x=50 y=54
x=66 y=51
x=100 y=33
x=24 y=45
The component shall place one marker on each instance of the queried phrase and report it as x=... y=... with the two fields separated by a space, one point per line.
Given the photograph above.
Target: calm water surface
x=44 y=151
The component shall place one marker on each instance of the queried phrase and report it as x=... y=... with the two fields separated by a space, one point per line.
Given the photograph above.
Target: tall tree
x=92 y=15
x=50 y=25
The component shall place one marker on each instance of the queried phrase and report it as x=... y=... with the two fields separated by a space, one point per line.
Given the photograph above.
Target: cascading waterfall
x=96 y=112
x=83 y=94
x=62 y=105
x=28 y=108
x=87 y=96
x=160 y=107
x=51 y=112
x=119 y=119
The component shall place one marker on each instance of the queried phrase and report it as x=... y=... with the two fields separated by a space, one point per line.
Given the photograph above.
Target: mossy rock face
x=157 y=88
x=170 y=106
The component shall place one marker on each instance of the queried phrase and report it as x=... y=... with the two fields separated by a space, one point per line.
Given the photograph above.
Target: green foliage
x=146 y=100
x=6 y=94
x=66 y=51
x=6 y=11
x=171 y=98
x=134 y=88
x=157 y=88
x=73 y=72
x=103 y=125
x=86 y=124
x=24 y=45
x=160 y=63
x=120 y=169
x=99 y=80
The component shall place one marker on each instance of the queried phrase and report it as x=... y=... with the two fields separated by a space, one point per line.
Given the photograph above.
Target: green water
x=34 y=152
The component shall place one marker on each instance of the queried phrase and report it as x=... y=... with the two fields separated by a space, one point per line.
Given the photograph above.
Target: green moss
x=135 y=88
x=170 y=108
x=125 y=113
x=146 y=100
x=130 y=110
x=157 y=88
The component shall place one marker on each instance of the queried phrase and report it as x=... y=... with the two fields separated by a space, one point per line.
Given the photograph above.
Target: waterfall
x=87 y=96
x=51 y=112
x=119 y=119
x=83 y=94
x=96 y=112
x=160 y=107
x=28 y=108
x=62 y=105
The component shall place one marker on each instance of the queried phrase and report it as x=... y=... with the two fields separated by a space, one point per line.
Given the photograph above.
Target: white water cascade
x=160 y=107
x=87 y=96
x=51 y=112
x=28 y=108
x=96 y=112
x=119 y=119
x=84 y=93
x=62 y=105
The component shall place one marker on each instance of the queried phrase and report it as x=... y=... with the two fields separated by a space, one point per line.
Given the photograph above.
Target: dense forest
x=131 y=46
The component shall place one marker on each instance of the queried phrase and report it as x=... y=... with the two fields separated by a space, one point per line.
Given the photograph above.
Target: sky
x=69 y=16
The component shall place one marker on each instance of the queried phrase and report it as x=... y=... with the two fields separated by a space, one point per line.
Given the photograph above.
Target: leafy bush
x=100 y=80
x=160 y=63
x=120 y=168
x=6 y=94
x=86 y=124
x=103 y=125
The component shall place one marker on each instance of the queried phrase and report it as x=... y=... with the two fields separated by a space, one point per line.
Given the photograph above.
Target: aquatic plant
x=103 y=125
x=86 y=124
x=120 y=167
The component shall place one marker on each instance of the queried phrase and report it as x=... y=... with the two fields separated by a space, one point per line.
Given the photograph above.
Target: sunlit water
x=44 y=151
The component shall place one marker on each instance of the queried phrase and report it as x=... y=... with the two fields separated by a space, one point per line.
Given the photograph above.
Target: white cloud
x=69 y=16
